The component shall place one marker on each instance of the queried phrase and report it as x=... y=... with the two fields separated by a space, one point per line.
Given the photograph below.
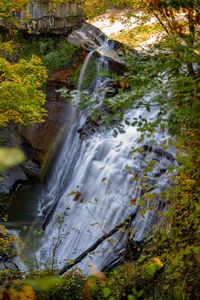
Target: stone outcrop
x=87 y=37
x=44 y=17
x=59 y=20
x=42 y=137
x=90 y=38
x=11 y=180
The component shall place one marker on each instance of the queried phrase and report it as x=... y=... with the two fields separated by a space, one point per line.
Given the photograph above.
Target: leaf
x=141 y=258
x=140 y=293
x=187 y=250
x=196 y=250
x=169 y=213
x=141 y=202
x=123 y=230
x=131 y=297
x=151 y=269
x=159 y=264
x=112 y=241
x=133 y=202
x=137 y=293
x=71 y=262
x=71 y=194
x=77 y=196
x=106 y=292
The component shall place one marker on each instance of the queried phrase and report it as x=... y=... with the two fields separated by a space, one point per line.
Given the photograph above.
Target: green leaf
x=196 y=249
x=187 y=250
x=106 y=292
x=72 y=193
x=112 y=241
x=169 y=213
x=137 y=293
x=141 y=202
x=131 y=297
x=141 y=258
x=151 y=269
x=71 y=262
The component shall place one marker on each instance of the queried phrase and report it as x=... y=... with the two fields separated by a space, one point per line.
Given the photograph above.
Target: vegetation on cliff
x=21 y=97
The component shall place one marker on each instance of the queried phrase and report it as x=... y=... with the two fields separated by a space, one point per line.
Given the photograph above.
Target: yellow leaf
x=157 y=261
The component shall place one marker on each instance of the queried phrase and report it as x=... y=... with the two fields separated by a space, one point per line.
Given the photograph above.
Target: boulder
x=31 y=168
x=12 y=180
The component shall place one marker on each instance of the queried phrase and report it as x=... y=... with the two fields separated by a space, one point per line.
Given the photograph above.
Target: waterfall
x=84 y=68
x=93 y=181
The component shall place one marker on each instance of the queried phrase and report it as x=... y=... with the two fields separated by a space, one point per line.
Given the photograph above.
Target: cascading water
x=93 y=181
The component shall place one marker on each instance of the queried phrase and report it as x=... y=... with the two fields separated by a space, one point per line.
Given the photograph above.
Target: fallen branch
x=97 y=243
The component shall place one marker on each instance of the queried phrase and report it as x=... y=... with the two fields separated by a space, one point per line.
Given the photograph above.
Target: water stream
x=92 y=183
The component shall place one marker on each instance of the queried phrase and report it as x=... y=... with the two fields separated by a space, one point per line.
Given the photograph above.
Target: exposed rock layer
x=46 y=18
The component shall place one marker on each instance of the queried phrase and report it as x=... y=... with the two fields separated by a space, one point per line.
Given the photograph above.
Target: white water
x=97 y=169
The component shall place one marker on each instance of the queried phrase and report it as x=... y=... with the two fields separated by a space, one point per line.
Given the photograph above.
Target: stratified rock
x=61 y=20
x=90 y=38
x=46 y=18
x=87 y=37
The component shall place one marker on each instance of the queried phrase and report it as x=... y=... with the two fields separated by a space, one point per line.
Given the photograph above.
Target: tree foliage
x=9 y=9
x=21 y=98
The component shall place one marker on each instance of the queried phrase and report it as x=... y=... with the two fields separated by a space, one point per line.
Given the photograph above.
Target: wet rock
x=115 y=86
x=12 y=180
x=31 y=168
x=90 y=38
x=88 y=129
x=42 y=137
x=160 y=152
x=87 y=37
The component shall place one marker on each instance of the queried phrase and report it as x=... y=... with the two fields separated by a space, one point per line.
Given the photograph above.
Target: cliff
x=44 y=17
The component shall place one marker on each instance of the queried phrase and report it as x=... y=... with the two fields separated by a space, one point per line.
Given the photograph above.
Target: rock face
x=87 y=37
x=11 y=180
x=45 y=18
x=90 y=38
x=42 y=137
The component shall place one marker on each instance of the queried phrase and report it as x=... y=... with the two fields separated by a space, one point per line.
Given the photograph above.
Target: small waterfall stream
x=92 y=183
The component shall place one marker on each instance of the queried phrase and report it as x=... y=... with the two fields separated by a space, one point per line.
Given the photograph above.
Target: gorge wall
x=58 y=20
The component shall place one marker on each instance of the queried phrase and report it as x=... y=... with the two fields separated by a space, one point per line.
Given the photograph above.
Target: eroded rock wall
x=48 y=19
